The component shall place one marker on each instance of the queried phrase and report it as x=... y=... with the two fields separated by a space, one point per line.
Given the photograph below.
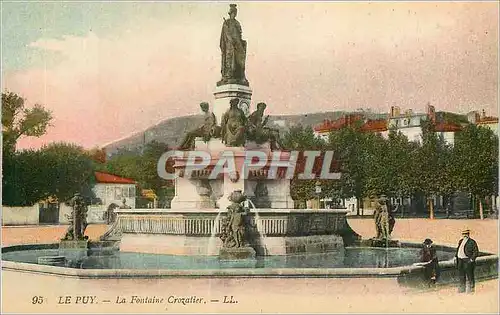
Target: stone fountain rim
x=216 y=211
x=393 y=272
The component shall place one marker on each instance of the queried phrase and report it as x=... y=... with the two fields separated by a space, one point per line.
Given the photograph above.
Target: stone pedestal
x=186 y=194
x=236 y=253
x=279 y=194
x=224 y=93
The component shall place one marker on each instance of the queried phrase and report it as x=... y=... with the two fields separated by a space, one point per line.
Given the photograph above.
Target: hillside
x=171 y=131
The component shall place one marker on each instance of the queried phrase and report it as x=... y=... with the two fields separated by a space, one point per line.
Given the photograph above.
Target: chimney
x=473 y=117
x=431 y=112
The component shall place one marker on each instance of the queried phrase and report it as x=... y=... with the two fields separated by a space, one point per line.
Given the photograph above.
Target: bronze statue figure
x=258 y=130
x=208 y=130
x=77 y=219
x=233 y=125
x=233 y=49
x=234 y=226
x=261 y=195
x=384 y=220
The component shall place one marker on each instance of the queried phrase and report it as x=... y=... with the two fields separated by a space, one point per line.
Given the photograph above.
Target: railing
x=287 y=223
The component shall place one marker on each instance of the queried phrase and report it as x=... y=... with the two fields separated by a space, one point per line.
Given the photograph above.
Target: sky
x=108 y=69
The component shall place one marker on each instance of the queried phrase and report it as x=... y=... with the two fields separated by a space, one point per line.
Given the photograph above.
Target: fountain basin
x=370 y=263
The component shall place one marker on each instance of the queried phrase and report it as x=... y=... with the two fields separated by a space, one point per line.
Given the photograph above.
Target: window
x=118 y=193
x=109 y=192
x=131 y=191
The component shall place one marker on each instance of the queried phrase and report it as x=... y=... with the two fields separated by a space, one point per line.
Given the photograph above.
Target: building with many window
x=408 y=123
x=483 y=120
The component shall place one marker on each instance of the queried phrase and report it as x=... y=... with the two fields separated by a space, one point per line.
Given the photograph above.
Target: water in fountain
x=212 y=241
x=260 y=229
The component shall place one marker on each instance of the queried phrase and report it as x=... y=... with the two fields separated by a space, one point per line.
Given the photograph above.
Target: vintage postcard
x=249 y=157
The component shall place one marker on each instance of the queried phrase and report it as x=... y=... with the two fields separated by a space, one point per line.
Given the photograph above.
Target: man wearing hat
x=429 y=259
x=467 y=252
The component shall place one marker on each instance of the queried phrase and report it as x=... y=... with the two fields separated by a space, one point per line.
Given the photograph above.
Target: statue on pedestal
x=77 y=219
x=258 y=130
x=233 y=125
x=208 y=130
x=234 y=51
x=234 y=226
x=384 y=220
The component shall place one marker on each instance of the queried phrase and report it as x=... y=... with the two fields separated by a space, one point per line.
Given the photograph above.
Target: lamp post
x=318 y=192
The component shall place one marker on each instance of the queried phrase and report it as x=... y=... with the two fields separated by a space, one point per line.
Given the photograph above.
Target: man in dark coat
x=429 y=260
x=467 y=252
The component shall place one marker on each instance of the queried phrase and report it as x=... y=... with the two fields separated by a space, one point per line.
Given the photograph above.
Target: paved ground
x=259 y=295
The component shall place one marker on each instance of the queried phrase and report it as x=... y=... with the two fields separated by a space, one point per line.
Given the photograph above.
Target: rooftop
x=106 y=178
x=374 y=125
x=344 y=121
x=487 y=120
x=447 y=127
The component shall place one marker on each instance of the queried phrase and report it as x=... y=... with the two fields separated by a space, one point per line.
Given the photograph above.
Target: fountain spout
x=258 y=223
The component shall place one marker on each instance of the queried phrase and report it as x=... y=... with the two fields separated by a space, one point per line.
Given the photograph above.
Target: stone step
x=52 y=260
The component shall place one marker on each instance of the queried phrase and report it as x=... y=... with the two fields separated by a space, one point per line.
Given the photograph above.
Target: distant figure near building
x=124 y=204
x=467 y=252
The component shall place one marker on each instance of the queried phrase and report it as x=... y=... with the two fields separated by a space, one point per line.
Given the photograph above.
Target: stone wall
x=486 y=268
x=20 y=215
x=95 y=214
x=64 y=212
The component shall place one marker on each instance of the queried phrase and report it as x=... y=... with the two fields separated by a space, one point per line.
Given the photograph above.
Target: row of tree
x=57 y=170
x=372 y=165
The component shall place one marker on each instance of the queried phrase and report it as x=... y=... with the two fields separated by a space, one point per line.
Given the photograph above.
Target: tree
x=23 y=182
x=300 y=138
x=351 y=148
x=379 y=175
x=433 y=166
x=67 y=170
x=475 y=162
x=56 y=170
x=18 y=121
x=400 y=164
